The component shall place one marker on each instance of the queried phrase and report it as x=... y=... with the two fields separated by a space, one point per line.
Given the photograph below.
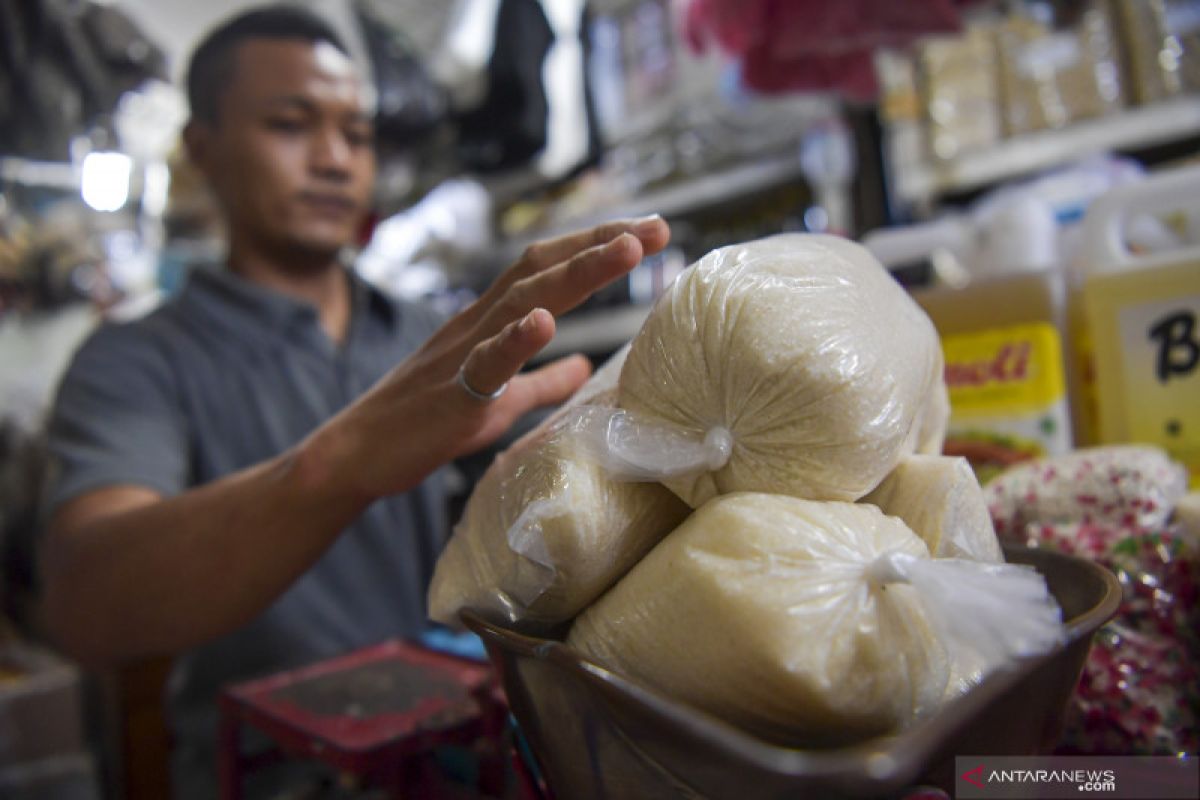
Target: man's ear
x=197 y=140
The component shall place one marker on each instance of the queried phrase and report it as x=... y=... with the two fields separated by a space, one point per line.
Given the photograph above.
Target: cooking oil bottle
x=1141 y=311
x=1000 y=308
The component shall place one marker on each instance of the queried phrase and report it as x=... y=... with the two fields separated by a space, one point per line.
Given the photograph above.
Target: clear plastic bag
x=633 y=449
x=1122 y=486
x=547 y=529
x=1057 y=71
x=800 y=356
x=810 y=622
x=1162 y=47
x=940 y=498
x=1139 y=692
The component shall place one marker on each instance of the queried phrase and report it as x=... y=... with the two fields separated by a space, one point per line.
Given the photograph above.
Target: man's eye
x=359 y=137
x=285 y=125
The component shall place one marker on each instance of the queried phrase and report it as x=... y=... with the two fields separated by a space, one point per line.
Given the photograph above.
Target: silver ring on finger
x=475 y=394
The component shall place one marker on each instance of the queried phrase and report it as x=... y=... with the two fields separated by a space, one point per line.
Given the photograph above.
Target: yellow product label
x=1011 y=371
x=1084 y=399
x=1145 y=326
x=1008 y=398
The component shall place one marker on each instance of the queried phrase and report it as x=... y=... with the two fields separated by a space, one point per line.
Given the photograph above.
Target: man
x=248 y=476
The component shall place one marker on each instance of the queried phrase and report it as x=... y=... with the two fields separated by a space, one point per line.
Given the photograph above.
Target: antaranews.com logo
x=1049 y=777
x=1086 y=780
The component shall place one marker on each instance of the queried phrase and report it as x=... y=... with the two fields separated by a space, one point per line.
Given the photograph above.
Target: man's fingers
x=651 y=231
x=553 y=383
x=557 y=275
x=548 y=385
x=495 y=360
x=565 y=285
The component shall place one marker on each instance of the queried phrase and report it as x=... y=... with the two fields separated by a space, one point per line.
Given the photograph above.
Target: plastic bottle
x=1142 y=316
x=1000 y=307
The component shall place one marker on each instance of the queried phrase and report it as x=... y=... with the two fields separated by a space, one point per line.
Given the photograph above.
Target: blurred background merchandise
x=1026 y=168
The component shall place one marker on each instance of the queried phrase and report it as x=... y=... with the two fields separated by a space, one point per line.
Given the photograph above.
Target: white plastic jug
x=1142 y=311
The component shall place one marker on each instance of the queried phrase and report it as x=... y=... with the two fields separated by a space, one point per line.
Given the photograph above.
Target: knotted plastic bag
x=813 y=623
x=797 y=355
x=547 y=529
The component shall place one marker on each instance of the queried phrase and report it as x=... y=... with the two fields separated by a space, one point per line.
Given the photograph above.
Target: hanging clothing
x=813 y=45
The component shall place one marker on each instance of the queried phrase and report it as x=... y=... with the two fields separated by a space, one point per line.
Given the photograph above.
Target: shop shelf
x=677 y=198
x=1133 y=129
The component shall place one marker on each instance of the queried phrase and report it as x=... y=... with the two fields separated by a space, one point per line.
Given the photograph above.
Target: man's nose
x=330 y=154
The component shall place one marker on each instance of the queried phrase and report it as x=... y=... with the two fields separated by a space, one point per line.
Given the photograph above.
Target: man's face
x=290 y=156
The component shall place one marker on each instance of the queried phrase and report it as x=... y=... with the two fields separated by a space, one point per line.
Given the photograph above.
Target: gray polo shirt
x=226 y=375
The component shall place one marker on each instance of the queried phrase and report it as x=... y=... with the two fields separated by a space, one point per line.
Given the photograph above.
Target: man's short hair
x=212 y=63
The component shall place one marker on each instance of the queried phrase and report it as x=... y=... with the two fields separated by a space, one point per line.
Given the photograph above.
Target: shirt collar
x=278 y=310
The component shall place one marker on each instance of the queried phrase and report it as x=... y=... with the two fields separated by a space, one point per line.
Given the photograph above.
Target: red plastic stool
x=376 y=715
